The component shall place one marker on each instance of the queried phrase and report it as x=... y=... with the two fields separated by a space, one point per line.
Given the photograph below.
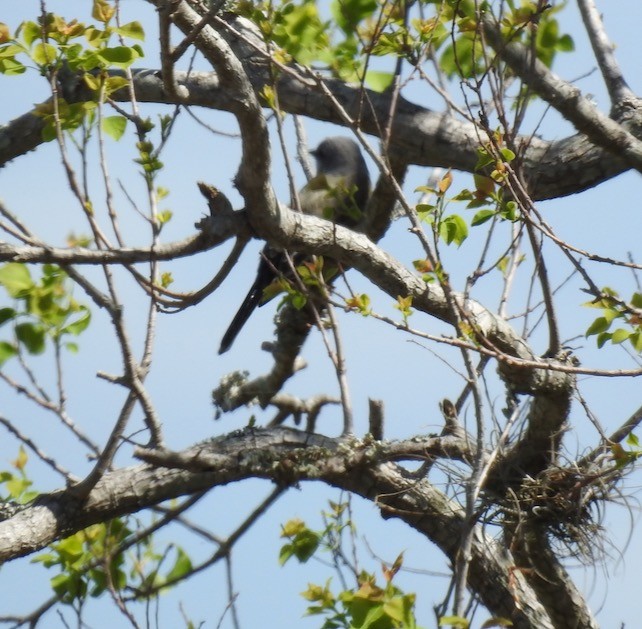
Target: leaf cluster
x=16 y=483
x=54 y=44
x=615 y=309
x=53 y=41
x=43 y=309
x=92 y=561
x=74 y=556
x=366 y=606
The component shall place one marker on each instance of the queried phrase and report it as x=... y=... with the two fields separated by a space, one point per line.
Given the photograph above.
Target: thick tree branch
x=308 y=234
x=286 y=456
x=603 y=131
x=565 y=604
x=421 y=137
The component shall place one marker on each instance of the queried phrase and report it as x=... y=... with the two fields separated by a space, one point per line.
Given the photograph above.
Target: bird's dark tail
x=251 y=301
x=270 y=263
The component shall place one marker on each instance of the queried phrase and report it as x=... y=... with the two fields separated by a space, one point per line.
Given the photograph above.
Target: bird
x=338 y=192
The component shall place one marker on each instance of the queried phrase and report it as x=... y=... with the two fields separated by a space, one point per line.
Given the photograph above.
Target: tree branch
x=603 y=49
x=420 y=136
x=568 y=100
x=287 y=456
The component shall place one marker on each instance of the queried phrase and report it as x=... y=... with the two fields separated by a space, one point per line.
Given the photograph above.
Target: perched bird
x=338 y=192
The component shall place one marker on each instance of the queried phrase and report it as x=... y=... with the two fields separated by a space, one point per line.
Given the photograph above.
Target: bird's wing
x=331 y=197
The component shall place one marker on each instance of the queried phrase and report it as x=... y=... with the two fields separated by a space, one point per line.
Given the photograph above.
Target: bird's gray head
x=338 y=156
x=341 y=157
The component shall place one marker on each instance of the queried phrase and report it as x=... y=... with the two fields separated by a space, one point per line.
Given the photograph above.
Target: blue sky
x=411 y=380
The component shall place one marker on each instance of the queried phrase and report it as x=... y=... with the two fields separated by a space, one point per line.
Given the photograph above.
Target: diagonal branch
x=567 y=99
x=603 y=49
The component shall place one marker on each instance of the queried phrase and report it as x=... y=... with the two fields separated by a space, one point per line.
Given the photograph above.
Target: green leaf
x=79 y=325
x=44 y=54
x=16 y=279
x=302 y=546
x=69 y=587
x=464 y=195
x=95 y=37
x=404 y=305
x=507 y=154
x=396 y=609
x=482 y=216
x=305 y=545
x=636 y=341
x=463 y=58
x=46 y=559
x=32 y=336
x=285 y=553
x=601 y=324
x=11 y=67
x=298 y=300
x=114 y=126
x=120 y=56
x=548 y=33
x=454 y=621
x=565 y=44
x=17 y=486
x=164 y=217
x=92 y=82
x=379 y=81
x=453 y=229
x=71 y=548
x=426 y=212
x=372 y=617
x=610 y=314
x=509 y=211
x=181 y=567
x=115 y=83
x=30 y=32
x=300 y=32
x=6 y=314
x=484 y=158
x=602 y=338
x=620 y=335
x=131 y=29
x=7 y=351
x=348 y=13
